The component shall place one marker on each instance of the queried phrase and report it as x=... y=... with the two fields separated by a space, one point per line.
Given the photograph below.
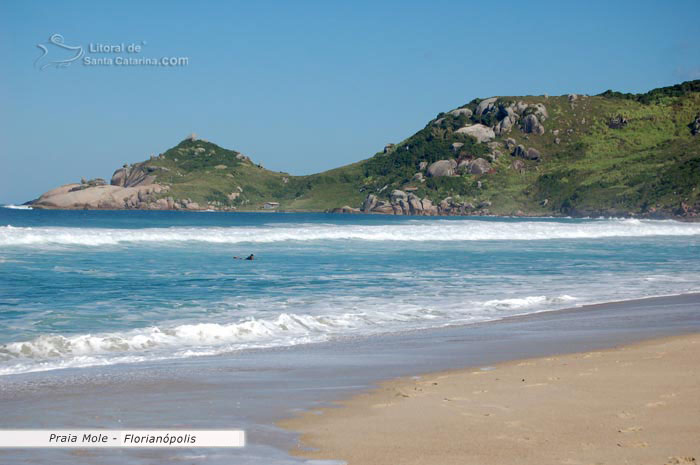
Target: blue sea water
x=90 y=288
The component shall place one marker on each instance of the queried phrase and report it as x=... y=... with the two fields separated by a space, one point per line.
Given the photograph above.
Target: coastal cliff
x=612 y=154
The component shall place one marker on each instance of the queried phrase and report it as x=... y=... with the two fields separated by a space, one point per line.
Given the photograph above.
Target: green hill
x=610 y=154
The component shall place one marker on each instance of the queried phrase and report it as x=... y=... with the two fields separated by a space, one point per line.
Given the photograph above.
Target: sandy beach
x=637 y=404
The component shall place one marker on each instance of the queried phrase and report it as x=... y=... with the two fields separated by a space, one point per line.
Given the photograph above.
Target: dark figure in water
x=249 y=257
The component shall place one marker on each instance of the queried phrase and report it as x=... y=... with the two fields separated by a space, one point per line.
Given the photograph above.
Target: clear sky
x=302 y=86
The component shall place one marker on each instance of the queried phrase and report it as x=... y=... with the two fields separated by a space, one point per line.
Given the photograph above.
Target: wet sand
x=637 y=403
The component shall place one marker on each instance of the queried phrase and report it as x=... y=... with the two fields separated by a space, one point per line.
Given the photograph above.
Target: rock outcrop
x=138 y=174
x=485 y=105
x=617 y=122
x=461 y=111
x=480 y=132
x=103 y=197
x=479 y=166
x=442 y=168
x=528 y=154
x=401 y=203
x=532 y=125
x=695 y=126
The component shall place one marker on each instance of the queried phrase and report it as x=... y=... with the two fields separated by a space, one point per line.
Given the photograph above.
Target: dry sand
x=637 y=404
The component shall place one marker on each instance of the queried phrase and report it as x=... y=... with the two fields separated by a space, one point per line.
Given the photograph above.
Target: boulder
x=369 y=203
x=485 y=105
x=388 y=148
x=383 y=207
x=404 y=207
x=520 y=151
x=99 y=197
x=418 y=177
x=695 y=126
x=480 y=132
x=461 y=111
x=540 y=111
x=422 y=165
x=398 y=195
x=134 y=175
x=531 y=125
x=617 y=122
x=456 y=146
x=442 y=168
x=415 y=205
x=506 y=124
x=463 y=166
x=479 y=166
x=119 y=177
x=428 y=207
x=520 y=107
x=533 y=154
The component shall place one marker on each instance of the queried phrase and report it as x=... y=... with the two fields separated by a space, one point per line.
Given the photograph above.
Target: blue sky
x=303 y=86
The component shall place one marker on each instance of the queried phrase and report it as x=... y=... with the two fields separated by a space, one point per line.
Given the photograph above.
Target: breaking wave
x=435 y=230
x=54 y=351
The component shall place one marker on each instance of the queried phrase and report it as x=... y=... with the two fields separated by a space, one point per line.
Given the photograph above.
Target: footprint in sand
x=660 y=403
x=631 y=429
x=624 y=415
x=680 y=460
x=637 y=445
x=385 y=405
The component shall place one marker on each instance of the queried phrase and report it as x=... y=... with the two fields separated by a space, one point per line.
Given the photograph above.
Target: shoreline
x=592 y=307
x=562 y=408
x=584 y=215
x=256 y=390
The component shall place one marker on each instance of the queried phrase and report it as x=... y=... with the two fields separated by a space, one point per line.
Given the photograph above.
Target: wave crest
x=435 y=230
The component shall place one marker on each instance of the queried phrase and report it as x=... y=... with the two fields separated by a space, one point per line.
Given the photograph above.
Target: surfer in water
x=249 y=257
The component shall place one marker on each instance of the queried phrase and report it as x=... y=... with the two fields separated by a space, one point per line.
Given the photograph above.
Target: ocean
x=85 y=288
x=89 y=299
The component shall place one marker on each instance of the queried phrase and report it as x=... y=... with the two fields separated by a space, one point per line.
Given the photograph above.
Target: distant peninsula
x=612 y=154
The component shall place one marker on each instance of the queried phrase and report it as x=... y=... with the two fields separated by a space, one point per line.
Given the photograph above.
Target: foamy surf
x=414 y=231
x=56 y=351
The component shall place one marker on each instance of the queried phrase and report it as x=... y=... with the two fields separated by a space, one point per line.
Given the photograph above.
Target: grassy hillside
x=610 y=154
x=213 y=176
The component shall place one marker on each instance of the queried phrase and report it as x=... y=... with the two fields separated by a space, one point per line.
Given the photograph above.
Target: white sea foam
x=17 y=207
x=53 y=351
x=527 y=302
x=435 y=230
